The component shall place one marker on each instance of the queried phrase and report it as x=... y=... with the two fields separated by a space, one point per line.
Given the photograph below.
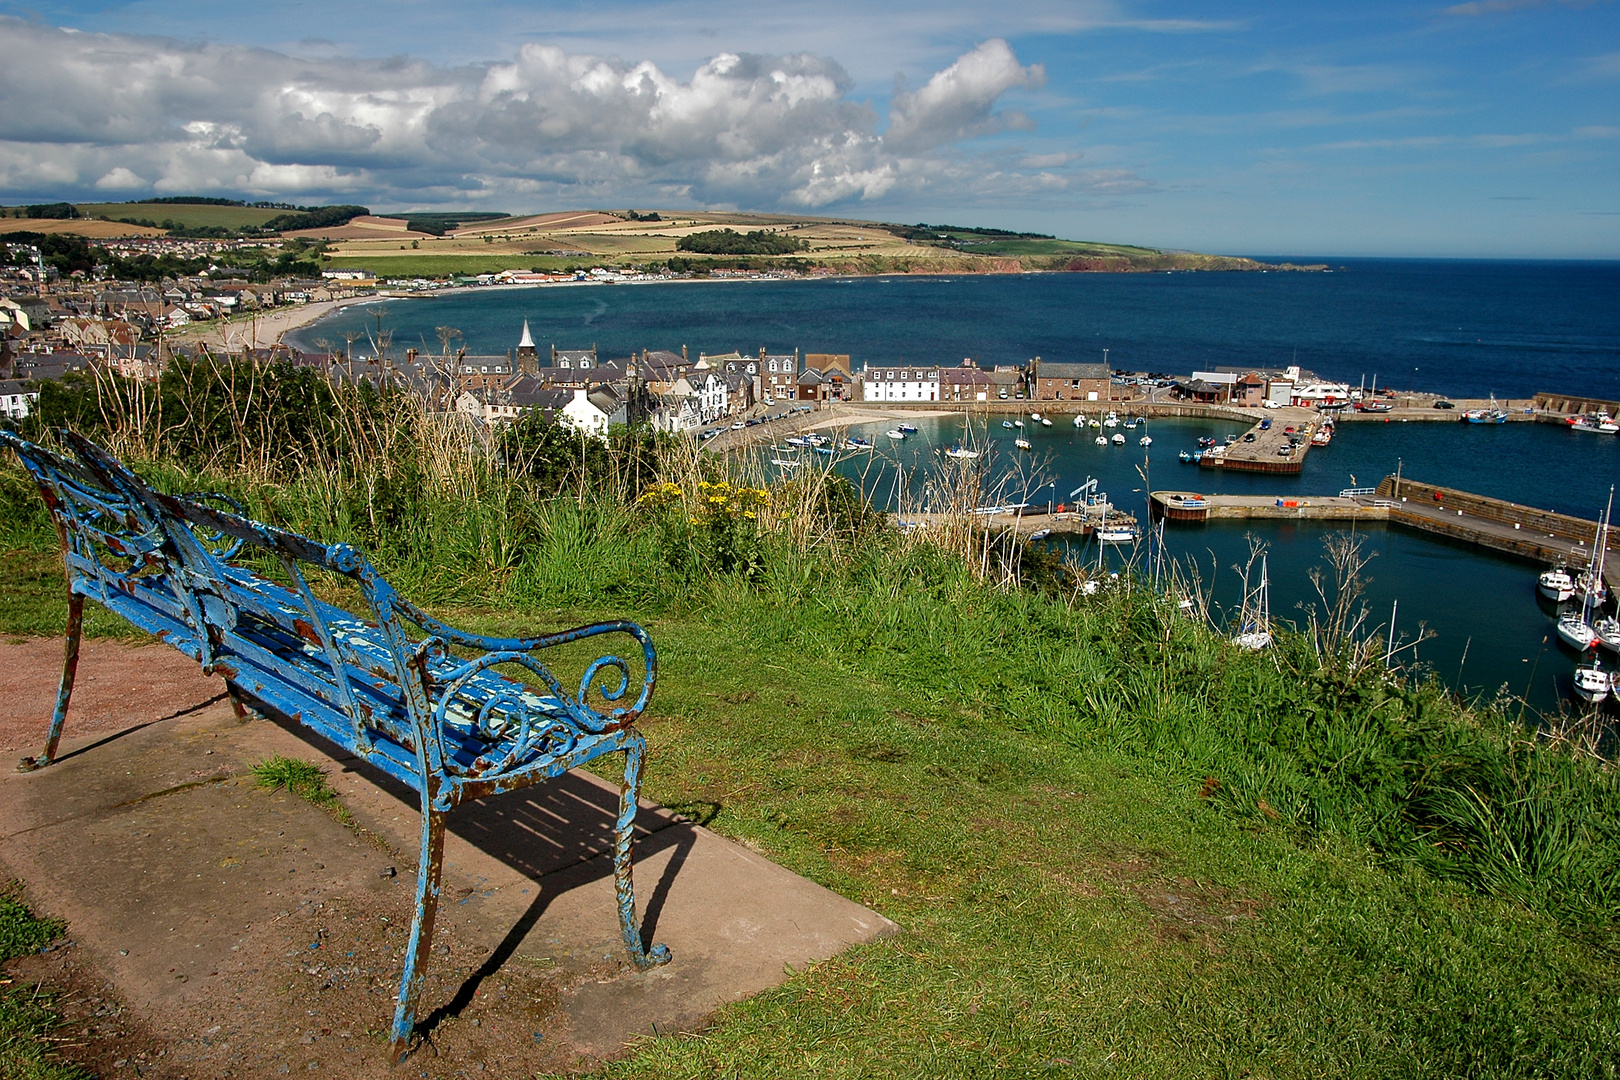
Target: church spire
x=527 y=342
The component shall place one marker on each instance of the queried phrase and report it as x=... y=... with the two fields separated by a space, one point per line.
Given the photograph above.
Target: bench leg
x=420 y=947
x=623 y=841
x=64 y=690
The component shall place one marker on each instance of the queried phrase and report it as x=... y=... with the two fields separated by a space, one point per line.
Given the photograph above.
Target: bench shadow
x=558 y=834
x=187 y=711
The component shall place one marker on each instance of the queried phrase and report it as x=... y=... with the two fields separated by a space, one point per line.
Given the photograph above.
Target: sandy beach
x=266 y=328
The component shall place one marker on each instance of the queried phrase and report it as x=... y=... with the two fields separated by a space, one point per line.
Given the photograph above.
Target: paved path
x=252 y=932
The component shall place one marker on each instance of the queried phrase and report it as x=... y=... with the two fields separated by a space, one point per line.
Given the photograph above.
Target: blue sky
x=1489 y=128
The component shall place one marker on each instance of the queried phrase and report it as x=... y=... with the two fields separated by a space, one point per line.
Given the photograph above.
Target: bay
x=1461 y=328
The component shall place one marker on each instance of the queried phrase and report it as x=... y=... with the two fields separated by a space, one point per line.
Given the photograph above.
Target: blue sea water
x=1465 y=329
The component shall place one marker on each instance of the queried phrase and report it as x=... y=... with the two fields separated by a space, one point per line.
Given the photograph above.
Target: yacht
x=1111 y=420
x=1101 y=440
x=1556 y=584
x=961 y=452
x=1254 y=624
x=1592 y=682
x=1608 y=633
x=1146 y=440
x=1119 y=440
x=1079 y=420
x=1117 y=532
x=1022 y=443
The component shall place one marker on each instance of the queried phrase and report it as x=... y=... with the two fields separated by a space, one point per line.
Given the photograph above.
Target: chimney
x=683 y=352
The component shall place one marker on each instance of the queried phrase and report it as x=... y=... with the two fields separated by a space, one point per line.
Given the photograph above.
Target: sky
x=1488 y=128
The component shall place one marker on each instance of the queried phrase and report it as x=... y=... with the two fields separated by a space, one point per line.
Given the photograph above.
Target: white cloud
x=121 y=179
x=111 y=110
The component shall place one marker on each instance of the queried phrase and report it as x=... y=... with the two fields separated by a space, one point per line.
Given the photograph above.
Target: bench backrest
x=168 y=561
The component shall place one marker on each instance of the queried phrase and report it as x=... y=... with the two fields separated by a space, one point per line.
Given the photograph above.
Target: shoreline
x=264 y=331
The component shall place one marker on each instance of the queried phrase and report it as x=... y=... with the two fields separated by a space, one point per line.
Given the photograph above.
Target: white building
x=709 y=391
x=900 y=384
x=16 y=399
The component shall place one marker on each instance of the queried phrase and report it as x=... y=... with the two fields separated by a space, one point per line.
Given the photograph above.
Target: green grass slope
x=1117 y=845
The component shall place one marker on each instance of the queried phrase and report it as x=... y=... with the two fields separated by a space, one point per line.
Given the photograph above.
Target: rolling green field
x=188 y=215
x=413 y=265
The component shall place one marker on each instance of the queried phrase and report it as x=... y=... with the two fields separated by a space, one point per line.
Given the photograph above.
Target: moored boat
x=909 y=429
x=1119 y=440
x=1146 y=440
x=1591 y=682
x=896 y=434
x=1556 y=584
x=961 y=452
x=1599 y=422
x=1021 y=443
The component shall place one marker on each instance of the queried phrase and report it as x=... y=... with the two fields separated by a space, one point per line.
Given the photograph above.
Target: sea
x=1456 y=327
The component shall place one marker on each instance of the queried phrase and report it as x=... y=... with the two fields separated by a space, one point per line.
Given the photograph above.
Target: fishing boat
x=1254 y=622
x=896 y=434
x=1146 y=440
x=1556 y=584
x=1119 y=440
x=1592 y=682
x=1021 y=443
x=961 y=452
x=1599 y=422
x=1101 y=440
x=1186 y=456
x=909 y=429
x=1494 y=414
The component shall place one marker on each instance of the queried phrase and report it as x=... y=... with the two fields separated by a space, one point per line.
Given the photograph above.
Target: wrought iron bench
x=450 y=727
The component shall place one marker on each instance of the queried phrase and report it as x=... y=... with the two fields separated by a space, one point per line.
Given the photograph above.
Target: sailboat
x=1254 y=623
x=1080 y=420
x=963 y=450
x=1575 y=627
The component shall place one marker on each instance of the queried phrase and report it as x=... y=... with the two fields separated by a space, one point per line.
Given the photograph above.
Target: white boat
x=1119 y=440
x=1094 y=422
x=1589 y=586
x=1608 y=633
x=1254 y=622
x=961 y=452
x=1575 y=628
x=1102 y=440
x=1592 y=682
x=1079 y=420
x=895 y=434
x=1007 y=424
x=908 y=429
x=1021 y=443
x=784 y=463
x=1034 y=416
x=1046 y=421
x=1117 y=533
x=1111 y=420
x=1556 y=584
x=1018 y=423
x=1576 y=632
x=1146 y=440
x=1130 y=425
x=1040 y=534
x=1601 y=423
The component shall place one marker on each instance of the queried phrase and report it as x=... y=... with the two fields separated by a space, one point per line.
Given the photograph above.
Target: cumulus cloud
x=125 y=113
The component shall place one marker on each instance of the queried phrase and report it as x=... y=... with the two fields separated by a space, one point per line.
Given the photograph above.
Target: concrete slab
x=256 y=932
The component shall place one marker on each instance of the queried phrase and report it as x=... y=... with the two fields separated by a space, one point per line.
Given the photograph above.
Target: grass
x=1115 y=843
x=409 y=264
x=304 y=779
x=27 y=1017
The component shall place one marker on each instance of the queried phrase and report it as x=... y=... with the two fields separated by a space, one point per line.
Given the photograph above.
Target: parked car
x=1445 y=404
x=1248 y=437
x=1273 y=405
x=1265 y=425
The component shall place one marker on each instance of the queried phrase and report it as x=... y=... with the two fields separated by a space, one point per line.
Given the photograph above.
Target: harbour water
x=1465 y=329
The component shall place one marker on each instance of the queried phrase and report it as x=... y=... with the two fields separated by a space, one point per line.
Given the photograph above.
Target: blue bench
x=451 y=727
